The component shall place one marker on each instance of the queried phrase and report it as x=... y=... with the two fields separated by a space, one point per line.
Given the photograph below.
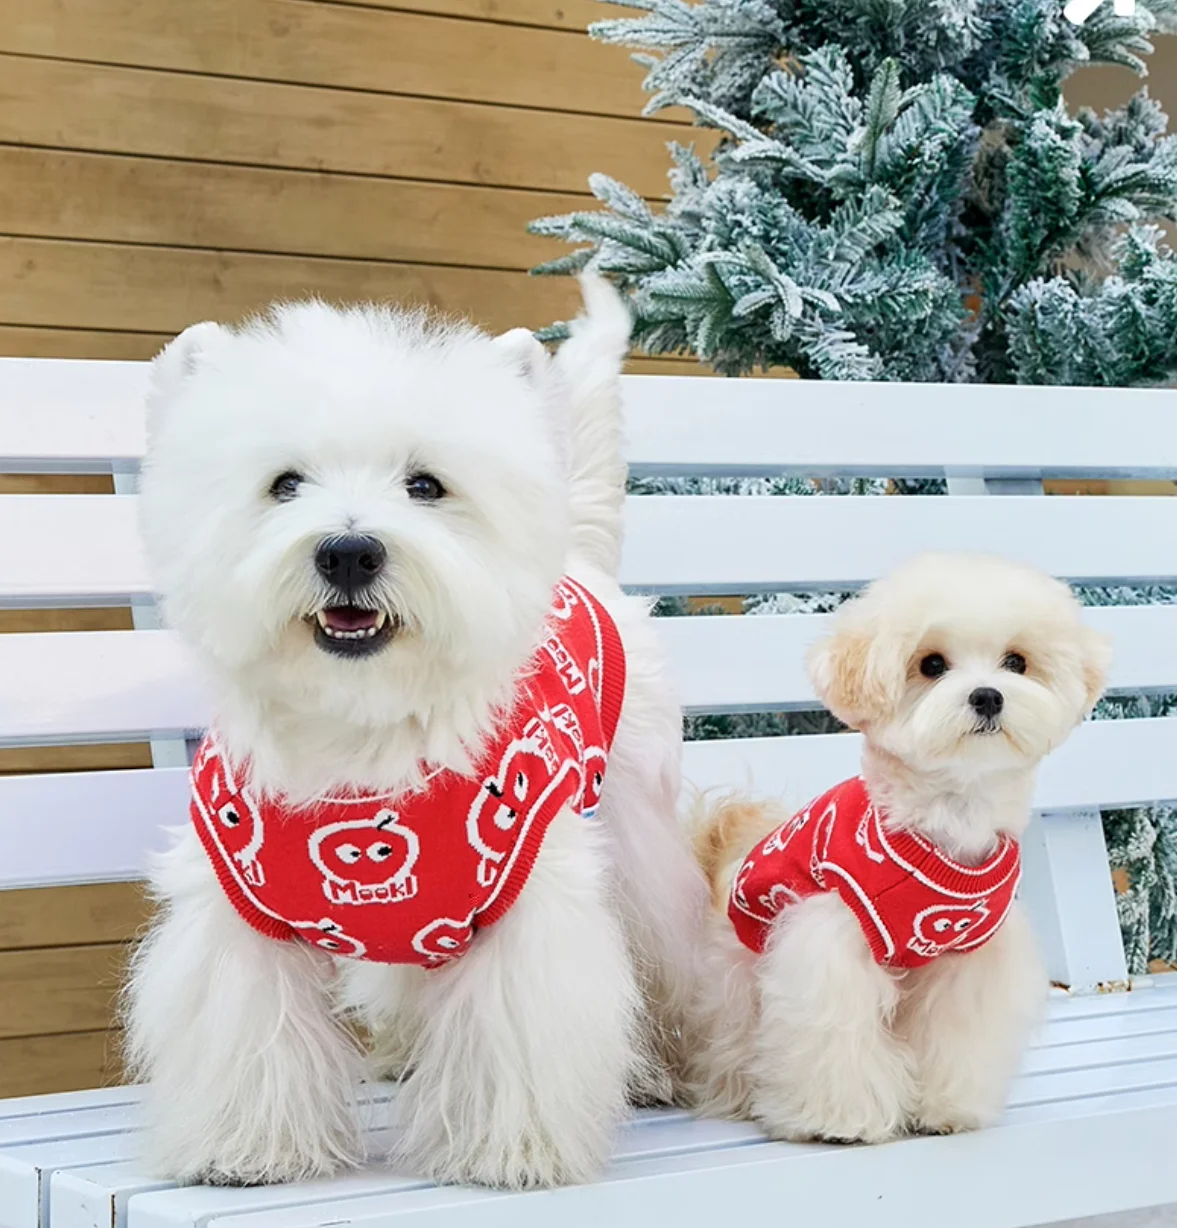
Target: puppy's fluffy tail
x=589 y=366
x=723 y=831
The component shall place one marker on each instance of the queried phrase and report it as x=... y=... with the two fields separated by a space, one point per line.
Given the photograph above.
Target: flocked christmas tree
x=899 y=192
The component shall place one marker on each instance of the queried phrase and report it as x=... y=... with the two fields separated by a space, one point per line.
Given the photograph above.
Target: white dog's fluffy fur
x=517 y=1059
x=813 y=1038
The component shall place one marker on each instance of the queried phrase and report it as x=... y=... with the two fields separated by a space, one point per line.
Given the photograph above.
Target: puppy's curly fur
x=813 y=1038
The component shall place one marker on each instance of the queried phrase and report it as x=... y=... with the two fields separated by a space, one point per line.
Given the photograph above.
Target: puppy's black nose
x=350 y=563
x=986 y=701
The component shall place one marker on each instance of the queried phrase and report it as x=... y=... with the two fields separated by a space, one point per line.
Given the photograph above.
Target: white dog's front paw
x=530 y=1155
x=275 y=1156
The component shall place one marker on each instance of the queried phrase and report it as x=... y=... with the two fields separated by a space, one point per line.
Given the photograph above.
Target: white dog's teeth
x=362 y=633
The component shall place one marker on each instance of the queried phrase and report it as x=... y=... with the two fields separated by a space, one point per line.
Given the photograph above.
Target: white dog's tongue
x=349 y=618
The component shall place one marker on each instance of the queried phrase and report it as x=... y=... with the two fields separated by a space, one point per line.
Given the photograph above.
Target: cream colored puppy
x=867 y=970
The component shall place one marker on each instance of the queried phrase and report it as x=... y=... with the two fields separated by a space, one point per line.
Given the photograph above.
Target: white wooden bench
x=1092 y=1121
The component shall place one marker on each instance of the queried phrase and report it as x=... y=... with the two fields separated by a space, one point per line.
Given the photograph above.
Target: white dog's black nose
x=986 y=701
x=350 y=563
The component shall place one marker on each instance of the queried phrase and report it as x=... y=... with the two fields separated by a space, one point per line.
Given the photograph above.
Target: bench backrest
x=82 y=550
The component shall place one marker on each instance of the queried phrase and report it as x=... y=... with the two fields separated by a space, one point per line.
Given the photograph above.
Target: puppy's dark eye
x=285 y=486
x=424 y=487
x=1014 y=662
x=933 y=665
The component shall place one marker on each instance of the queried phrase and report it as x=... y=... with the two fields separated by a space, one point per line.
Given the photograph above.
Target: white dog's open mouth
x=351 y=631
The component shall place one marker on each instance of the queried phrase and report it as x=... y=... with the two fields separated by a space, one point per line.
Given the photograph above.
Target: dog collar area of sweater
x=913 y=902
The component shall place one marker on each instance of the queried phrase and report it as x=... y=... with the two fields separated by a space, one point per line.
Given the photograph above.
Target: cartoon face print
x=443 y=940
x=503 y=803
x=750 y=908
x=823 y=832
x=780 y=839
x=564 y=601
x=594 y=781
x=777 y=899
x=238 y=830
x=864 y=833
x=944 y=927
x=367 y=861
x=330 y=936
x=230 y=815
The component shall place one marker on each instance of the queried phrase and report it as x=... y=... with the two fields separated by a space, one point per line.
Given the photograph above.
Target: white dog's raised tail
x=588 y=365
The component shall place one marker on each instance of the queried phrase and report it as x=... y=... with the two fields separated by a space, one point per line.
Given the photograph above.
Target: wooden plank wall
x=164 y=162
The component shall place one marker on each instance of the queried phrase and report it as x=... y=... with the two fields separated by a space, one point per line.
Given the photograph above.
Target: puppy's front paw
x=862 y=1104
x=846 y=1124
x=935 y=1118
x=506 y=1141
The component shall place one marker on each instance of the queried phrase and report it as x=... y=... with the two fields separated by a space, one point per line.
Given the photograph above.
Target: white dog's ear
x=182 y=358
x=521 y=348
x=849 y=676
x=1097 y=659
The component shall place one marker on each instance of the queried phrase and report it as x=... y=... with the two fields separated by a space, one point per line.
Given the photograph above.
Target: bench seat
x=1092 y=1107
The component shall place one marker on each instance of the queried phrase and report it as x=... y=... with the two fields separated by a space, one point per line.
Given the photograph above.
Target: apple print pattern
x=913 y=902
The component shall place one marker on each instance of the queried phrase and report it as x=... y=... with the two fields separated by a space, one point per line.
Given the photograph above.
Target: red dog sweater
x=912 y=901
x=409 y=879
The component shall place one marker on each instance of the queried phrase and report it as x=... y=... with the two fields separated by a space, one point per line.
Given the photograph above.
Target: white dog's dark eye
x=285 y=486
x=1014 y=662
x=933 y=665
x=424 y=487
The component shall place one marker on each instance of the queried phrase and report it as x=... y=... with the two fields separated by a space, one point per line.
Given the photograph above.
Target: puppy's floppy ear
x=182 y=358
x=849 y=674
x=1096 y=650
x=522 y=349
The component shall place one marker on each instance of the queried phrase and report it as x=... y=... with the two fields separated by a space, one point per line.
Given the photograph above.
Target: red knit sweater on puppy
x=912 y=901
x=410 y=878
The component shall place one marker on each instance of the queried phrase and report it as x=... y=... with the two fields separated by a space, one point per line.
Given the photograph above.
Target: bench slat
x=93 y=827
x=96 y=686
x=713 y=544
x=1104 y=765
x=65 y=1102
x=62 y=415
x=816 y=428
x=708 y=544
x=71 y=415
x=101 y=826
x=26 y=1172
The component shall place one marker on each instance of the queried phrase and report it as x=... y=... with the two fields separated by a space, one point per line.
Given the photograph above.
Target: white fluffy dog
x=867 y=971
x=358 y=519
